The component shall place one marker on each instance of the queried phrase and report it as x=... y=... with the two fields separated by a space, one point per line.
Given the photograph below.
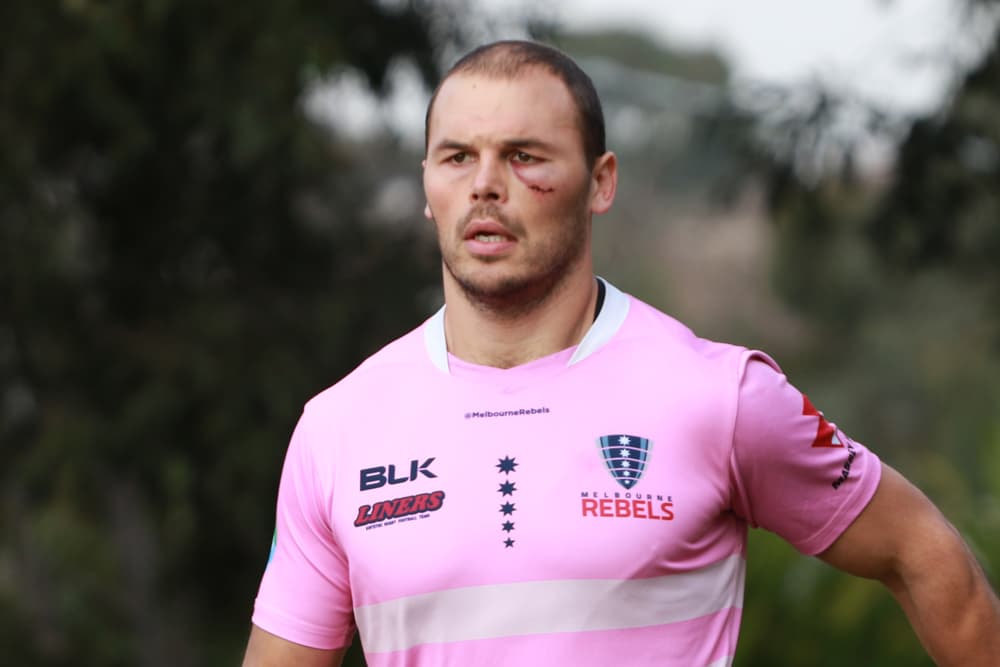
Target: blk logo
x=379 y=476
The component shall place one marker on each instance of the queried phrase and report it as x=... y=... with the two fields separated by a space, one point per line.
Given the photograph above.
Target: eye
x=523 y=158
x=458 y=158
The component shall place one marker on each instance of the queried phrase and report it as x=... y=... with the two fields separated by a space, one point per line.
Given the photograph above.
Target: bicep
x=899 y=532
x=268 y=650
x=794 y=473
x=305 y=593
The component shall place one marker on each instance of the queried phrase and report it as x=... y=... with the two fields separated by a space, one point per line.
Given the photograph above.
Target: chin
x=496 y=286
x=507 y=294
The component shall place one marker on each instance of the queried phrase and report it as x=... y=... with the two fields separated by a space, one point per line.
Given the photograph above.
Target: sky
x=878 y=50
x=897 y=55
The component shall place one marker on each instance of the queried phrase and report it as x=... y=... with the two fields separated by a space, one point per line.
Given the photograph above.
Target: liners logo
x=627 y=506
x=625 y=456
x=379 y=476
x=386 y=512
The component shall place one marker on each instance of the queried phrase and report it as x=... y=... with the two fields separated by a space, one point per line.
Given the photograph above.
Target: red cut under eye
x=534 y=175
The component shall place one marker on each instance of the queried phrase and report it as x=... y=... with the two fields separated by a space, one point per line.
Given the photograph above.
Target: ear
x=427 y=206
x=603 y=183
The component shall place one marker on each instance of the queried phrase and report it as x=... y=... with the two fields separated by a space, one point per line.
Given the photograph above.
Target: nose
x=489 y=182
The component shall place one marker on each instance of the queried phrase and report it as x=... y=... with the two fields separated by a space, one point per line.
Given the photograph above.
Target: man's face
x=508 y=186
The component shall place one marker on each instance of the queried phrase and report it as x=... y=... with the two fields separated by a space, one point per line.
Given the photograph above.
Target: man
x=549 y=471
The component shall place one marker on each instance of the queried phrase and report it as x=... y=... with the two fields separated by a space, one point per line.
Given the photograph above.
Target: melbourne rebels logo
x=625 y=456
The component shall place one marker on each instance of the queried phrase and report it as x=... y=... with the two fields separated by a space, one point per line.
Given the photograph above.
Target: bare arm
x=267 y=650
x=902 y=540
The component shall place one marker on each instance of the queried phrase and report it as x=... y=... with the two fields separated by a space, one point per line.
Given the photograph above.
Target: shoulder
x=656 y=354
x=397 y=362
x=657 y=335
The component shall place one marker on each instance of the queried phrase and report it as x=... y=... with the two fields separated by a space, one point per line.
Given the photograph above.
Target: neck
x=504 y=339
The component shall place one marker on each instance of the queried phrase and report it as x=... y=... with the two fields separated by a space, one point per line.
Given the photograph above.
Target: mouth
x=487 y=231
x=488 y=239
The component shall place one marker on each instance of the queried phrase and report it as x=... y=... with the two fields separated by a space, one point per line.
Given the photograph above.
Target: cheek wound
x=534 y=184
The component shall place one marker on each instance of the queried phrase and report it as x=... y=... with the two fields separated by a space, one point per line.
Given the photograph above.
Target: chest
x=483 y=487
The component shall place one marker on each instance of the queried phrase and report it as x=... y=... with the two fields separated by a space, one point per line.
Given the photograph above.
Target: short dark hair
x=508 y=59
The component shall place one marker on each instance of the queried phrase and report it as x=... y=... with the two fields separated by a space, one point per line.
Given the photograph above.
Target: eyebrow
x=521 y=143
x=449 y=145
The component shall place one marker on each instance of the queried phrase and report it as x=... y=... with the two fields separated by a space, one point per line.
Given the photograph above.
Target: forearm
x=902 y=540
x=950 y=603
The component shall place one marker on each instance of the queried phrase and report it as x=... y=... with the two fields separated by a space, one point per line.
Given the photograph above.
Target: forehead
x=534 y=103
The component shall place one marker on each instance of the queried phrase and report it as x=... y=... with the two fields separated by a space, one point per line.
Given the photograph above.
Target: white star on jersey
x=623 y=453
x=623 y=440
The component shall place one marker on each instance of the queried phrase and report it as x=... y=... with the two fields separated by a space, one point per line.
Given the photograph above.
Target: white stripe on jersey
x=542 y=607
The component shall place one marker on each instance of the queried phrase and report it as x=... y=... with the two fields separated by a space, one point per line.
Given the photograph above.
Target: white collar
x=614 y=310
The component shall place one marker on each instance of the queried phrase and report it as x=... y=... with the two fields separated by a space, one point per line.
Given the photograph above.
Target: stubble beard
x=539 y=277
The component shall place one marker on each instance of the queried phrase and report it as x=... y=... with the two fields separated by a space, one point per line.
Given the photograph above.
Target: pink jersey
x=586 y=508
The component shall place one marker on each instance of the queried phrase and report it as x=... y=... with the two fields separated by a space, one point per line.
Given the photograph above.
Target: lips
x=488 y=239
x=487 y=231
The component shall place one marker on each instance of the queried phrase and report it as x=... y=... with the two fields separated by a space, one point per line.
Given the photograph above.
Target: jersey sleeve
x=304 y=595
x=795 y=473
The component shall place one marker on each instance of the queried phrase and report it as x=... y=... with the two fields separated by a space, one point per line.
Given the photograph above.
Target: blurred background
x=211 y=211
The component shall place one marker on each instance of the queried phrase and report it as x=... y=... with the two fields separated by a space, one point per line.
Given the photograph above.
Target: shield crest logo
x=625 y=456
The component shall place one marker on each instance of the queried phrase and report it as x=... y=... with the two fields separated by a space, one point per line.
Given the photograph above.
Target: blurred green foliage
x=183 y=262
x=186 y=257
x=897 y=278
